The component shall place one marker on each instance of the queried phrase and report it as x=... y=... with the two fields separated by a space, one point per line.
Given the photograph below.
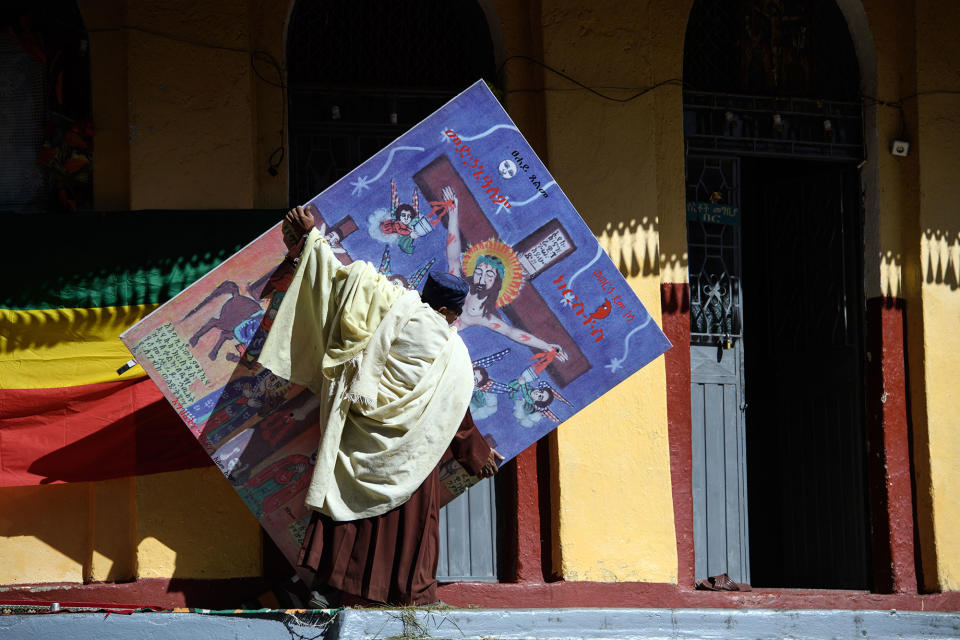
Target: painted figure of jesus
x=495 y=277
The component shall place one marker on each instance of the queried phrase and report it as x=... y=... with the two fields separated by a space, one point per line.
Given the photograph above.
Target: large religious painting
x=550 y=323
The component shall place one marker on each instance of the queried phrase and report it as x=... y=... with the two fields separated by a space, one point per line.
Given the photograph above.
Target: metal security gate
x=721 y=539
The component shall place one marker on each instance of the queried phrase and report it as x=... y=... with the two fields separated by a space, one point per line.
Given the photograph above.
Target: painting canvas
x=550 y=323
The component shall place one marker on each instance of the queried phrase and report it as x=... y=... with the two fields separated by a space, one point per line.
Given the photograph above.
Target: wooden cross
x=527 y=311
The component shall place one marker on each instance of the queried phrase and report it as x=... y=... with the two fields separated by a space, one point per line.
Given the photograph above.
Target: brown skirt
x=390 y=558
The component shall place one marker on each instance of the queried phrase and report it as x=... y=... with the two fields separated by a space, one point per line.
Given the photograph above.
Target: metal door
x=721 y=540
x=468 y=533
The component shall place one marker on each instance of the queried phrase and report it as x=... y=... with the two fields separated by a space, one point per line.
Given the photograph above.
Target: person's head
x=445 y=293
x=398 y=280
x=404 y=213
x=333 y=237
x=488 y=272
x=486 y=281
x=480 y=376
x=542 y=397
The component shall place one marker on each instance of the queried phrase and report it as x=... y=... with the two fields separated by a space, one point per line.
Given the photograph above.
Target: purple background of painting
x=480 y=121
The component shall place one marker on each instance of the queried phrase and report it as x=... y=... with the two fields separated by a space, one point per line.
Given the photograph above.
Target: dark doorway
x=802 y=251
x=362 y=72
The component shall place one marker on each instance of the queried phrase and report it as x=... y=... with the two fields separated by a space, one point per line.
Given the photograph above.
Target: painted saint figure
x=532 y=398
x=483 y=402
x=402 y=223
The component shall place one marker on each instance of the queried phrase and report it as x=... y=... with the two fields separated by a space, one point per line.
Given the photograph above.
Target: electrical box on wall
x=900 y=148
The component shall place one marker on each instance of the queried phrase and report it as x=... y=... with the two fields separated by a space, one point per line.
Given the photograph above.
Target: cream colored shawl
x=395 y=378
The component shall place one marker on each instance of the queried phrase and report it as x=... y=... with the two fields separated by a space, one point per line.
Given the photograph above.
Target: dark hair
x=488 y=295
x=543 y=404
x=397 y=278
x=484 y=376
x=404 y=207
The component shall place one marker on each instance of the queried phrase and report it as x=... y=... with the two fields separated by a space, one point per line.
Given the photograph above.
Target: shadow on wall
x=51 y=327
x=89 y=532
x=151 y=439
x=891 y=274
x=940 y=257
x=939 y=263
x=634 y=246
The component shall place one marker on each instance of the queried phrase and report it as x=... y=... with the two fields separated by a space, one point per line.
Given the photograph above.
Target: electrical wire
x=675 y=82
x=276 y=157
x=898 y=104
x=895 y=104
x=167 y=36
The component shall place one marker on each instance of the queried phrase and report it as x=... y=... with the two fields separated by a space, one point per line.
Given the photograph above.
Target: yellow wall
x=175 y=129
x=192 y=524
x=44 y=533
x=913 y=232
x=186 y=126
x=936 y=423
x=917 y=222
x=615 y=511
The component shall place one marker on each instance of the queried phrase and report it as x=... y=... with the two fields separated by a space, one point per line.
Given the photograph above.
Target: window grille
x=773 y=78
x=23 y=184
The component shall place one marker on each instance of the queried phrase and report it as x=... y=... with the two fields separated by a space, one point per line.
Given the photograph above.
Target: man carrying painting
x=396 y=382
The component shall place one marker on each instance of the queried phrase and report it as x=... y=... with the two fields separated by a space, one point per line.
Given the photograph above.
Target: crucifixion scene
x=547 y=321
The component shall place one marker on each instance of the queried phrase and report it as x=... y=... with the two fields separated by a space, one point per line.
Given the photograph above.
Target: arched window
x=46 y=134
x=771 y=77
x=361 y=72
x=784 y=48
x=773 y=138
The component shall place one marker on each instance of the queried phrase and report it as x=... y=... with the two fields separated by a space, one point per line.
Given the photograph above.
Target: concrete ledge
x=488 y=624
x=510 y=624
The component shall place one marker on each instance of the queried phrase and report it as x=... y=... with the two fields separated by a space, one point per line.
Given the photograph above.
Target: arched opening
x=359 y=74
x=774 y=136
x=46 y=132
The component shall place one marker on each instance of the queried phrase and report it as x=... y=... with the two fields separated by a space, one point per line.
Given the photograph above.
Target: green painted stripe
x=121 y=258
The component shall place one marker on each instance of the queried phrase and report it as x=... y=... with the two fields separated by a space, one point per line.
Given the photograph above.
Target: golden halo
x=513 y=272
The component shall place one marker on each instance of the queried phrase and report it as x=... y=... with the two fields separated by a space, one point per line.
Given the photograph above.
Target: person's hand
x=561 y=354
x=491 y=465
x=296 y=223
x=448 y=194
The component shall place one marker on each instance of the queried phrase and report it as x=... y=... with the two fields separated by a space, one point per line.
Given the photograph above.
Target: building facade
x=740 y=161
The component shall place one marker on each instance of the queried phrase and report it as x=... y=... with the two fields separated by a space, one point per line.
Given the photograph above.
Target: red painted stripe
x=91 y=432
x=669 y=596
x=890 y=476
x=229 y=593
x=158 y=593
x=675 y=305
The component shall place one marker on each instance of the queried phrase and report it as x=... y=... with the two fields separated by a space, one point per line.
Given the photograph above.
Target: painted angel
x=401 y=223
x=483 y=402
x=410 y=282
x=532 y=398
